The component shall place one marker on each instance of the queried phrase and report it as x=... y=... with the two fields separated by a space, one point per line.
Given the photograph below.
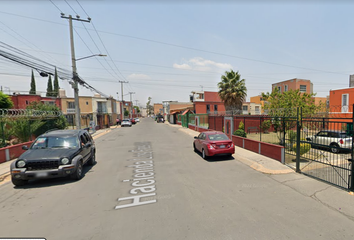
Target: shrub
x=304 y=148
x=265 y=125
x=240 y=133
x=241 y=126
x=292 y=136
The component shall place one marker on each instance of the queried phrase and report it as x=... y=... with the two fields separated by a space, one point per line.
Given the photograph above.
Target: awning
x=174 y=112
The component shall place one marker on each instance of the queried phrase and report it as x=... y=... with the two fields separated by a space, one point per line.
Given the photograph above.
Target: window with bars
x=302 y=88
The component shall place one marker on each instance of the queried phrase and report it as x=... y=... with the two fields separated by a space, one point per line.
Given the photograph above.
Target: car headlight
x=20 y=163
x=65 y=161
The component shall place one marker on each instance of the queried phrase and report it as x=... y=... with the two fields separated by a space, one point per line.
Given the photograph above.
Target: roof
x=185 y=112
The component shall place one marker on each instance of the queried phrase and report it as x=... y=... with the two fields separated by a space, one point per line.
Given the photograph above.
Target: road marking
x=143 y=179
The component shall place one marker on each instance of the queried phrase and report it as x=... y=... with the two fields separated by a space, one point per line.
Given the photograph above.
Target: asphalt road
x=186 y=197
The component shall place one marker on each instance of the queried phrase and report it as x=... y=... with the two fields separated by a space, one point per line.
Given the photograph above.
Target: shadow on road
x=42 y=183
x=217 y=158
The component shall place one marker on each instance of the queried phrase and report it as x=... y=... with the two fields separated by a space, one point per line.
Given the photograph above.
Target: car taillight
x=341 y=141
x=211 y=146
x=230 y=145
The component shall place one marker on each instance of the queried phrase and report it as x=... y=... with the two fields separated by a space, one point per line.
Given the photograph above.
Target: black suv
x=56 y=153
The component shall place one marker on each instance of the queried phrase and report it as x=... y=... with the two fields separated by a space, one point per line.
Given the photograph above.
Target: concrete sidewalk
x=5 y=167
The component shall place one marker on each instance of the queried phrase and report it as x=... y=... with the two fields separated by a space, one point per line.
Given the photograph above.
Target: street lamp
x=95 y=55
x=76 y=86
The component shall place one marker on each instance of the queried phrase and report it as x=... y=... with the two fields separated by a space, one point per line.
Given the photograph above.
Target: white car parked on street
x=126 y=123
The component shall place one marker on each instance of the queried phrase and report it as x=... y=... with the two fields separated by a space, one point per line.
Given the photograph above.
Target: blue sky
x=167 y=50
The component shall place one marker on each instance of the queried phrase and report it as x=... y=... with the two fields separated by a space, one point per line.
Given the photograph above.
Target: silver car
x=126 y=123
x=333 y=139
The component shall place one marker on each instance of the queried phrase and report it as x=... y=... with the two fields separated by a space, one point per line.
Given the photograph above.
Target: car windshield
x=218 y=137
x=55 y=142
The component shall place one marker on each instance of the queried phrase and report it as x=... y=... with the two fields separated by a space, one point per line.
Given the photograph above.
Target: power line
x=185 y=47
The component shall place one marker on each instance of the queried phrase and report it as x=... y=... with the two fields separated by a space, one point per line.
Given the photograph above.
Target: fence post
x=297 y=141
x=351 y=187
x=260 y=129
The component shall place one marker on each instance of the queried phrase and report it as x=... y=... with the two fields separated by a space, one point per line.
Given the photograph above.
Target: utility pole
x=75 y=85
x=131 y=102
x=121 y=112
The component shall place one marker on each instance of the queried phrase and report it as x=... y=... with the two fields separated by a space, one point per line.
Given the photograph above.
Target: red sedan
x=213 y=143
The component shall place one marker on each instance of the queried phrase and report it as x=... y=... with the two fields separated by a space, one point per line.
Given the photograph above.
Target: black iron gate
x=321 y=147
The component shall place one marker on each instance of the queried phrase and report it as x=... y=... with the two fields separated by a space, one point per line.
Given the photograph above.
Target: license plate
x=222 y=146
x=42 y=174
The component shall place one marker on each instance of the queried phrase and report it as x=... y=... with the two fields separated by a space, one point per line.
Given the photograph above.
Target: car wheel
x=204 y=156
x=195 y=149
x=92 y=160
x=334 y=148
x=77 y=175
x=18 y=182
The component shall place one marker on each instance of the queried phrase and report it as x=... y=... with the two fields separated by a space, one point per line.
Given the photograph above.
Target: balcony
x=70 y=110
x=245 y=112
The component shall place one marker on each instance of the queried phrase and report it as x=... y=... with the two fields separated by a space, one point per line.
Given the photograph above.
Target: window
x=86 y=103
x=245 y=108
x=345 y=101
x=71 y=105
x=279 y=88
x=27 y=102
x=302 y=88
x=208 y=108
x=101 y=107
x=285 y=88
x=215 y=108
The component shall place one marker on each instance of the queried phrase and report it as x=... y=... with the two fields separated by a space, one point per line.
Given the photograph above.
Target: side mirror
x=195 y=137
x=25 y=147
x=87 y=145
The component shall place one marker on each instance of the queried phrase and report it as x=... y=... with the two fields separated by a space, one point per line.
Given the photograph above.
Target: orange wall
x=318 y=100
x=211 y=97
x=200 y=107
x=157 y=107
x=335 y=97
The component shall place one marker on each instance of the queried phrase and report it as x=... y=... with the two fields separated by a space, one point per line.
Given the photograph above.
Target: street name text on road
x=143 y=179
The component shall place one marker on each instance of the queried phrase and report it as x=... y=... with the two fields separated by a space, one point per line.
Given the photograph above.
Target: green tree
x=149 y=107
x=285 y=104
x=33 y=84
x=232 y=90
x=283 y=108
x=24 y=127
x=5 y=101
x=50 y=122
x=49 y=87
x=126 y=113
x=137 y=109
x=56 y=84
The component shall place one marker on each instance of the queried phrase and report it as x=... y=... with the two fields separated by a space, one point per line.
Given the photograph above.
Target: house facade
x=207 y=102
x=21 y=101
x=304 y=85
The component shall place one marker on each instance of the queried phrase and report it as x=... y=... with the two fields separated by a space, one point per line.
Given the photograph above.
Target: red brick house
x=21 y=101
x=207 y=102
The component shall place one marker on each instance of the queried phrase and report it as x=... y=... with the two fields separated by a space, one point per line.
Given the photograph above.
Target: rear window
x=218 y=137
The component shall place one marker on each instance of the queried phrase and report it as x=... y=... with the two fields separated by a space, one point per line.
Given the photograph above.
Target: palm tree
x=232 y=90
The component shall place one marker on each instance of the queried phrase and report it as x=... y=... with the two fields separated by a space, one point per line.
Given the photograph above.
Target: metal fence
x=319 y=145
x=21 y=125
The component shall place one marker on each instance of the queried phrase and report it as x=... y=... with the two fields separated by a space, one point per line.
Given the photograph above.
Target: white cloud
x=182 y=66
x=202 y=64
x=138 y=76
